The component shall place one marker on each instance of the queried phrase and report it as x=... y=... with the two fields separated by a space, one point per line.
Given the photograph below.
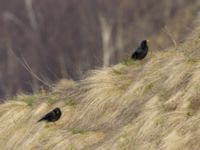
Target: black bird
x=141 y=51
x=52 y=116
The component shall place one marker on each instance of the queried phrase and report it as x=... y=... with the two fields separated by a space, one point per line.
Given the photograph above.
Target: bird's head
x=57 y=110
x=144 y=43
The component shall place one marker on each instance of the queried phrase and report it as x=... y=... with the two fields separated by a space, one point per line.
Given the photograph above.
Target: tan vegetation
x=148 y=105
x=55 y=38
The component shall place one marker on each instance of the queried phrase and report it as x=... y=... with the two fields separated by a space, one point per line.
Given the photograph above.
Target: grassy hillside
x=148 y=105
x=56 y=37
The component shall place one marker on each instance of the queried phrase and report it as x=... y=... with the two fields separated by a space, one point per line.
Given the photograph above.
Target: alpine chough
x=52 y=116
x=141 y=51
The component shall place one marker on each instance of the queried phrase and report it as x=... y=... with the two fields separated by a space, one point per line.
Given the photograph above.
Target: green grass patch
x=77 y=131
x=191 y=60
x=117 y=72
x=51 y=100
x=128 y=62
x=70 y=102
x=148 y=88
x=29 y=100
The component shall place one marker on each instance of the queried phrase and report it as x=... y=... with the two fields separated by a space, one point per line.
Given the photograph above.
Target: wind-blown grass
x=147 y=105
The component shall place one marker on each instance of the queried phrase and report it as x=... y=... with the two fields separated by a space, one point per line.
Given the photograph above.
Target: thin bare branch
x=27 y=67
x=171 y=36
x=31 y=14
x=33 y=74
x=8 y=16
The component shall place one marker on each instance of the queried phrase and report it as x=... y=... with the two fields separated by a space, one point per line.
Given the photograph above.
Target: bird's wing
x=45 y=117
x=138 y=50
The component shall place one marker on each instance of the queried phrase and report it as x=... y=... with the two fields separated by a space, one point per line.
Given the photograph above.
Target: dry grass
x=149 y=105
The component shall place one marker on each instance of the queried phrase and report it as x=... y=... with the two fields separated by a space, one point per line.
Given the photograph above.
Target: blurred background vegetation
x=65 y=38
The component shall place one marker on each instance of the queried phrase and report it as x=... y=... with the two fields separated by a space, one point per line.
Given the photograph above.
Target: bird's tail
x=40 y=120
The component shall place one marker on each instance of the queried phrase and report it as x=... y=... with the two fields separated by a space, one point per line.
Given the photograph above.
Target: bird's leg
x=142 y=61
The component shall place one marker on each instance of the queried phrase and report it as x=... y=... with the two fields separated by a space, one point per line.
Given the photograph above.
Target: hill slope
x=147 y=105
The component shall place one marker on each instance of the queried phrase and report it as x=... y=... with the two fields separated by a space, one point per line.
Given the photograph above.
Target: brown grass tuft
x=146 y=105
